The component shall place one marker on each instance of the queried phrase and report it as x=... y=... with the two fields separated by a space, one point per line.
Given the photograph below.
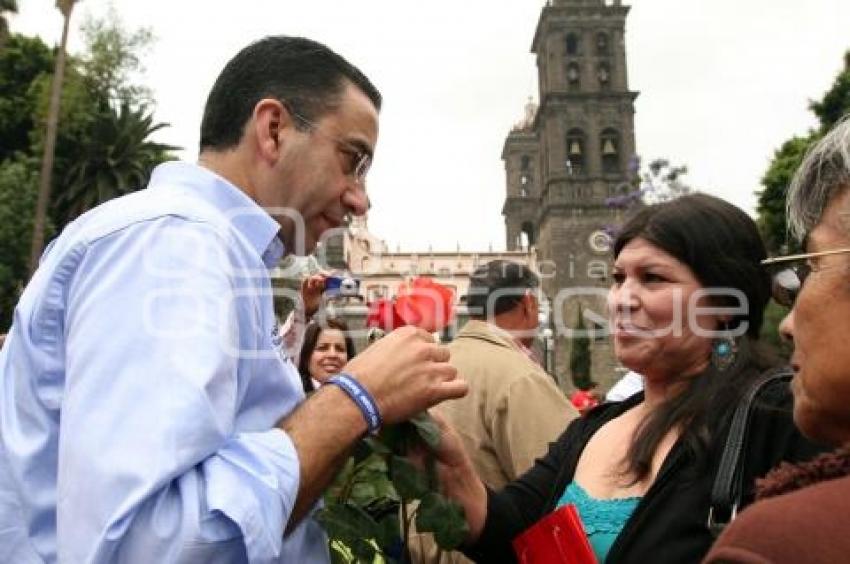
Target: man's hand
x=407 y=372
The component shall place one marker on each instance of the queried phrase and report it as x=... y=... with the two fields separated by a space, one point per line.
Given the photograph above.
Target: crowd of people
x=149 y=411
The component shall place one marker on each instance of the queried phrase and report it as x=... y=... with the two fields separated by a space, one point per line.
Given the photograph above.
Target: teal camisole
x=603 y=519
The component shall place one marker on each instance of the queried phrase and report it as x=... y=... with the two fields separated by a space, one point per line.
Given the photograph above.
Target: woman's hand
x=312 y=288
x=458 y=478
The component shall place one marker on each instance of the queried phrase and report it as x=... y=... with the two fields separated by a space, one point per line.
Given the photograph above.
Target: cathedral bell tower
x=566 y=159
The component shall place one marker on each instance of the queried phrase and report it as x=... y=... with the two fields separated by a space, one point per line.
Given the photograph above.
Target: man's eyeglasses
x=787 y=281
x=359 y=159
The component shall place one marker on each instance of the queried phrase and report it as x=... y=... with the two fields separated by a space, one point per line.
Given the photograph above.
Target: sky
x=722 y=84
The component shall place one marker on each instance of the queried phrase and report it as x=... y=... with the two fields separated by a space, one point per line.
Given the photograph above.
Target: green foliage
x=361 y=513
x=773 y=316
x=24 y=61
x=112 y=58
x=444 y=518
x=6 y=6
x=18 y=192
x=117 y=160
x=771 y=201
x=836 y=102
x=103 y=147
x=580 y=355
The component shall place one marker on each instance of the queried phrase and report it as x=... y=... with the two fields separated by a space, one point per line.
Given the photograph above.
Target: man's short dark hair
x=305 y=74
x=497 y=286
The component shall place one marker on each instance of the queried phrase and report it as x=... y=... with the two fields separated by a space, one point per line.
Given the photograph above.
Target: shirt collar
x=243 y=213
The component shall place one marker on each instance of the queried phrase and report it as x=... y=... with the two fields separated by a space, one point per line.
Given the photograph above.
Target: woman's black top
x=669 y=524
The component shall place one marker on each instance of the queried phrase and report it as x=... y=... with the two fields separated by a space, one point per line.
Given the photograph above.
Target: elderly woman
x=805 y=514
x=686 y=307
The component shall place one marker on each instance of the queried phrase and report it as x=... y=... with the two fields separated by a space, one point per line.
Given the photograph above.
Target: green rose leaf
x=339 y=553
x=347 y=522
x=444 y=518
x=364 y=551
x=409 y=481
x=377 y=446
x=427 y=429
x=362 y=450
x=395 y=438
x=389 y=530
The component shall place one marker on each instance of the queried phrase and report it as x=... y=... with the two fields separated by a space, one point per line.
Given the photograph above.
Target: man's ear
x=269 y=121
x=528 y=305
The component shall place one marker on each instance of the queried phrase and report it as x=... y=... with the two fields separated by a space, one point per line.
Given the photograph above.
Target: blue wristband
x=361 y=398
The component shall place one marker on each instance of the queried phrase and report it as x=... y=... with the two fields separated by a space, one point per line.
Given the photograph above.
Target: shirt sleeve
x=533 y=414
x=151 y=465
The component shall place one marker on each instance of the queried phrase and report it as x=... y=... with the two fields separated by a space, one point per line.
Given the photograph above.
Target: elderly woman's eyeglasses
x=790 y=272
x=359 y=158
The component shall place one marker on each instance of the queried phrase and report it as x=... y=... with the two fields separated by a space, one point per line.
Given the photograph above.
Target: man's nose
x=356 y=200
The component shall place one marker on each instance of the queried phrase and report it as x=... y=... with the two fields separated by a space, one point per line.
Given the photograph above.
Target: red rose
x=425 y=304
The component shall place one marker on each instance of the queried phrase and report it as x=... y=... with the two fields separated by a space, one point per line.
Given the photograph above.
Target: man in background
x=513 y=408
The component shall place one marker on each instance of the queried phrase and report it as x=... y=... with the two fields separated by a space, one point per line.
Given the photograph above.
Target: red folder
x=558 y=538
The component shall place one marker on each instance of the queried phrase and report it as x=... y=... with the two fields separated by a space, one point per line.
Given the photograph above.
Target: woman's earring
x=724 y=350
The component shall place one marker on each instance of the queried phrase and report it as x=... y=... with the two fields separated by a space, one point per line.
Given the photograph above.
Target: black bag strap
x=726 y=493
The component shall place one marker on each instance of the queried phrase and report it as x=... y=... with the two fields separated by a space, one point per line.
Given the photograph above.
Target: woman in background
x=327 y=347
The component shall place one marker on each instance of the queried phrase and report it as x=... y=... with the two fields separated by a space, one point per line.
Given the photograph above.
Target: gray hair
x=823 y=174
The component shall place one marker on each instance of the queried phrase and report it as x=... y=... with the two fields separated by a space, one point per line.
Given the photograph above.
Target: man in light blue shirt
x=145 y=412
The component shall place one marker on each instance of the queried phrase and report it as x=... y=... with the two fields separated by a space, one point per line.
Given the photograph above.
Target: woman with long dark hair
x=686 y=307
x=326 y=349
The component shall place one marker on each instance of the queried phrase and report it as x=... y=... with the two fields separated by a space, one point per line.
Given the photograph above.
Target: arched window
x=572 y=43
x=528 y=232
x=575 y=161
x=602 y=43
x=525 y=175
x=603 y=74
x=609 y=142
x=573 y=75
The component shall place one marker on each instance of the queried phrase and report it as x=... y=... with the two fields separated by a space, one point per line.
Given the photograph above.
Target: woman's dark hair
x=311 y=337
x=722 y=247
x=305 y=74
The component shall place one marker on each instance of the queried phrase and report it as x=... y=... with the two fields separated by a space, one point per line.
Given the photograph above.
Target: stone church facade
x=564 y=159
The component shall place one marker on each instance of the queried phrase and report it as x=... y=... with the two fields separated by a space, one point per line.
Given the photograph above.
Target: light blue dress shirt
x=141 y=383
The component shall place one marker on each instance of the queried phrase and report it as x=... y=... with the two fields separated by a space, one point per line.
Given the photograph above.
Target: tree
x=6 y=6
x=45 y=177
x=580 y=355
x=836 y=102
x=23 y=62
x=771 y=201
x=102 y=149
x=117 y=160
x=115 y=154
x=113 y=56
x=18 y=191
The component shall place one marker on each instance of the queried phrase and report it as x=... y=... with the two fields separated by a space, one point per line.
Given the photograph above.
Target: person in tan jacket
x=513 y=409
